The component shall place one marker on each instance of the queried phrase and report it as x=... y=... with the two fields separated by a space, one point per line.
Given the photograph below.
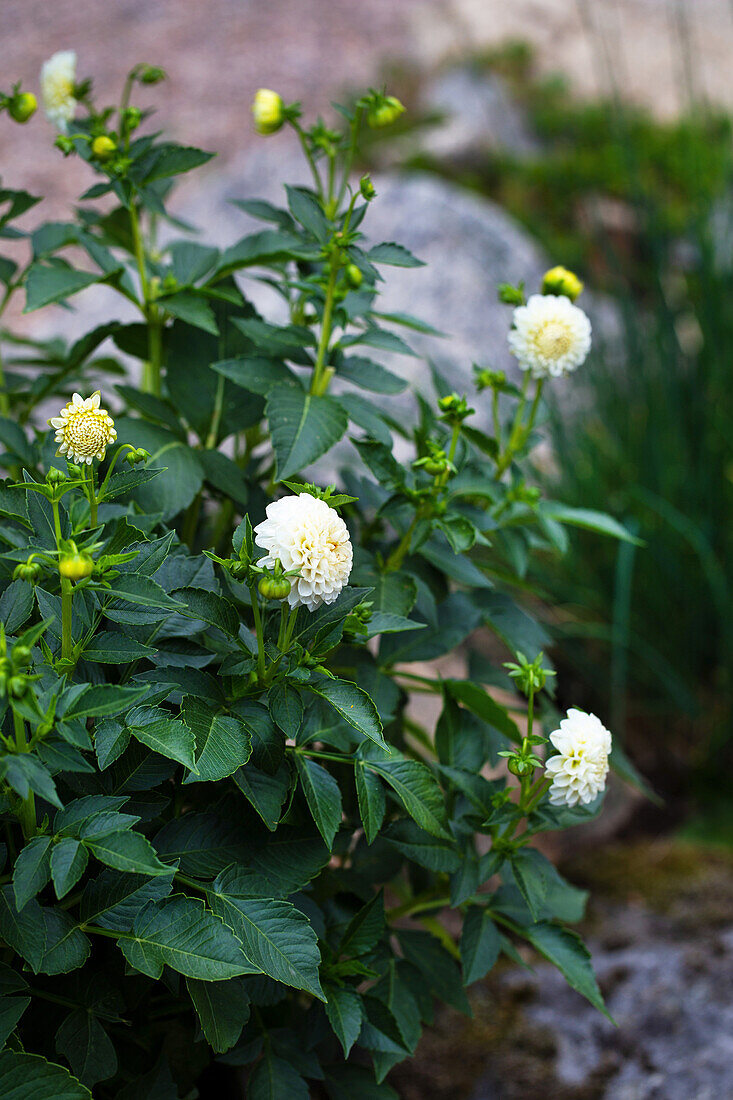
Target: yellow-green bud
x=21 y=656
x=354 y=276
x=55 y=476
x=558 y=280
x=22 y=106
x=520 y=768
x=385 y=111
x=103 y=147
x=268 y=112
x=367 y=188
x=152 y=74
x=27 y=571
x=274 y=588
x=131 y=118
x=75 y=567
x=65 y=144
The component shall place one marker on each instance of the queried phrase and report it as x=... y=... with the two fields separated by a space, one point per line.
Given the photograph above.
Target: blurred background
x=596 y=134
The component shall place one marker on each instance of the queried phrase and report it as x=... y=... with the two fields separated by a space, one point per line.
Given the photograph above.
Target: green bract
x=226 y=835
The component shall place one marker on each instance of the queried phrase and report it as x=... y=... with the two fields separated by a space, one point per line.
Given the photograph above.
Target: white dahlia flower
x=550 y=335
x=58 y=77
x=305 y=533
x=580 y=768
x=83 y=430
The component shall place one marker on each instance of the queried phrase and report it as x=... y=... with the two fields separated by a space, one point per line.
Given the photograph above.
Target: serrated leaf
x=273 y=1079
x=568 y=953
x=353 y=704
x=391 y=253
x=418 y=791
x=266 y=793
x=480 y=944
x=30 y=1077
x=87 y=1047
x=32 y=870
x=181 y=933
x=343 y=1008
x=372 y=801
x=322 y=795
x=68 y=862
x=199 y=603
x=222 y=1009
x=130 y=852
x=223 y=742
x=168 y=736
x=276 y=937
x=303 y=426
x=104 y=700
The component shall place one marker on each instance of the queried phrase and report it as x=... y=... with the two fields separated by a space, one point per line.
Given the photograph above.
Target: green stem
x=319 y=383
x=505 y=459
x=309 y=158
x=4 y=399
x=398 y=555
x=190 y=521
x=92 y=496
x=355 y=127
x=213 y=436
x=67 y=595
x=258 y=630
x=151 y=369
x=27 y=811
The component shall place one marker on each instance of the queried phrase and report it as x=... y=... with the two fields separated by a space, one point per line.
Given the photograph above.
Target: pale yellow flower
x=267 y=110
x=303 y=532
x=83 y=429
x=58 y=77
x=580 y=768
x=550 y=336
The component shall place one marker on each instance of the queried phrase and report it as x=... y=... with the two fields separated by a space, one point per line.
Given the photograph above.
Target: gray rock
x=672 y=1004
x=478 y=114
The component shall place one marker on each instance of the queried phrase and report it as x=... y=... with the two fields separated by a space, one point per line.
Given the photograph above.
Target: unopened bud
x=152 y=74
x=103 y=147
x=558 y=280
x=384 y=111
x=131 y=119
x=22 y=106
x=55 y=476
x=17 y=686
x=75 y=567
x=268 y=112
x=65 y=144
x=21 y=656
x=366 y=187
x=354 y=276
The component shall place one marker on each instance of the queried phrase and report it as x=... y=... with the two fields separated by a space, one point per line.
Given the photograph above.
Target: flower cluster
x=580 y=768
x=303 y=532
x=550 y=336
x=83 y=429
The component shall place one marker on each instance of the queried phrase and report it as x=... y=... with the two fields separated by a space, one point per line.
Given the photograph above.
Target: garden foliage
x=227 y=832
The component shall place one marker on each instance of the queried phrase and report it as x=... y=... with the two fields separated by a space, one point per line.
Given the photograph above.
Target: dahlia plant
x=230 y=835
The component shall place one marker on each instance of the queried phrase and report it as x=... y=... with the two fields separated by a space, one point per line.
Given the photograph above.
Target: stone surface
x=477 y=114
x=671 y=1000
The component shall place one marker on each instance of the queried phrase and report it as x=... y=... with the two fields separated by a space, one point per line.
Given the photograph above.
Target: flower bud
x=268 y=111
x=55 y=477
x=21 y=656
x=131 y=119
x=103 y=147
x=76 y=566
x=17 y=686
x=558 y=280
x=152 y=74
x=519 y=767
x=27 y=571
x=354 y=276
x=138 y=454
x=455 y=409
x=22 y=106
x=384 y=111
x=366 y=187
x=274 y=588
x=65 y=144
